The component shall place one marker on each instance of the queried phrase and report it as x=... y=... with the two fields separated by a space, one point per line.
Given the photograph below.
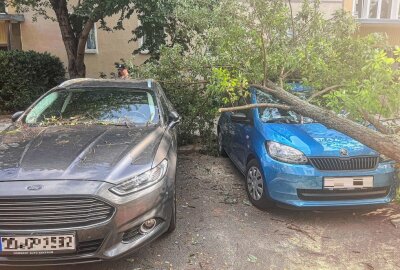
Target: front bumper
x=103 y=241
x=288 y=183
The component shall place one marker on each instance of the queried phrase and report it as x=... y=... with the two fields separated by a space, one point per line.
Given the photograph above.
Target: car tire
x=255 y=187
x=221 y=150
x=172 y=224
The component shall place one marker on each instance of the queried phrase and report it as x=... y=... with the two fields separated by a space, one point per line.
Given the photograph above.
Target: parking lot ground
x=219 y=229
x=4 y=121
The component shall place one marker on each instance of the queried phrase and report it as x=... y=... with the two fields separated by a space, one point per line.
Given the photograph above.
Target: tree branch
x=259 y=105
x=84 y=36
x=324 y=91
x=378 y=124
x=265 y=88
x=389 y=145
x=184 y=83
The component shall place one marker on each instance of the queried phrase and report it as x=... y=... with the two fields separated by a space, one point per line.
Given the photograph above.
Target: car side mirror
x=16 y=115
x=173 y=119
x=240 y=118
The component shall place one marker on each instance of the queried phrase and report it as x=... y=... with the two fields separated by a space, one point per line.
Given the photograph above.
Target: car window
x=275 y=115
x=166 y=110
x=96 y=105
x=242 y=102
x=165 y=103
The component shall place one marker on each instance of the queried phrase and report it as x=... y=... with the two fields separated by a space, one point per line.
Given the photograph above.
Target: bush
x=24 y=76
x=184 y=82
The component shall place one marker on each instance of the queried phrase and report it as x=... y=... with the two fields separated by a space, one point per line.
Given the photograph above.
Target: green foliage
x=231 y=88
x=157 y=18
x=183 y=78
x=24 y=76
x=171 y=22
x=253 y=41
x=376 y=90
x=80 y=11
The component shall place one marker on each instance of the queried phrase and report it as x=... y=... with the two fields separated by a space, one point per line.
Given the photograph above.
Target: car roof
x=86 y=82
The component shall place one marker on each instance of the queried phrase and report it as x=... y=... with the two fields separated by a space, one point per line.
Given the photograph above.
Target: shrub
x=24 y=76
x=183 y=80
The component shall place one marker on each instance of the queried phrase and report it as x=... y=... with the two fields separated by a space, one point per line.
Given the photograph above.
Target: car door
x=242 y=123
x=225 y=128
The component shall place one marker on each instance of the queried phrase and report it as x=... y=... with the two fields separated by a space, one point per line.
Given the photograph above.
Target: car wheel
x=256 y=188
x=172 y=224
x=221 y=150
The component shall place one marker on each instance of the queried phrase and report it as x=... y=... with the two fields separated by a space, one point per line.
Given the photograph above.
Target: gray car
x=87 y=173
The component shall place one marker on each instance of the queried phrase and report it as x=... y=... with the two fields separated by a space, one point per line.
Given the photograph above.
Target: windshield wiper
x=281 y=120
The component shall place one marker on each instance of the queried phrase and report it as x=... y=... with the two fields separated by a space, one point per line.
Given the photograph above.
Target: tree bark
x=73 y=45
x=259 y=105
x=388 y=145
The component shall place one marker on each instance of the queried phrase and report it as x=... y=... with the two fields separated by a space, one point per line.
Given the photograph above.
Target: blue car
x=294 y=162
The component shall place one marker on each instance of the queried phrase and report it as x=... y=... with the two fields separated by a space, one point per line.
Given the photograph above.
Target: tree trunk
x=75 y=53
x=388 y=145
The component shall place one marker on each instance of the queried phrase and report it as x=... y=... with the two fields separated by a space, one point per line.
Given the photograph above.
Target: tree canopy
x=77 y=18
x=264 y=43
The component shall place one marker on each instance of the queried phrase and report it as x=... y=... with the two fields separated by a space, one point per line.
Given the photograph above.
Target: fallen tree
x=386 y=144
x=260 y=42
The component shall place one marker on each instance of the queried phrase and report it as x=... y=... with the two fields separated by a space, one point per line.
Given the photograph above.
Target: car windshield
x=95 y=106
x=275 y=115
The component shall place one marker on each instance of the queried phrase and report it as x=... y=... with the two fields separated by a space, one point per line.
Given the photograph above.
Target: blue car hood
x=315 y=139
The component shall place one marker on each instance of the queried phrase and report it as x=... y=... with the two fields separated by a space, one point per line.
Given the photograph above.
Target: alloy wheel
x=255 y=183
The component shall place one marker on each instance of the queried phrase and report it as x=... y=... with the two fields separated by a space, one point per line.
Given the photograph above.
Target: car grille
x=335 y=195
x=88 y=247
x=344 y=164
x=50 y=213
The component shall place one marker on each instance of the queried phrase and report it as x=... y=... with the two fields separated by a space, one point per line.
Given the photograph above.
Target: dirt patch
x=4 y=121
x=219 y=229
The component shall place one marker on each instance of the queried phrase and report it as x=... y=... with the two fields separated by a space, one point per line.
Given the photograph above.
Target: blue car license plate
x=352 y=182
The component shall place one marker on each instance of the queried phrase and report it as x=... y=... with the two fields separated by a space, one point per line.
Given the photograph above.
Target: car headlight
x=285 y=153
x=383 y=158
x=141 y=181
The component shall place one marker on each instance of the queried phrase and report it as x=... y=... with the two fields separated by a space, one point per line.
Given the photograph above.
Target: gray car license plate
x=37 y=245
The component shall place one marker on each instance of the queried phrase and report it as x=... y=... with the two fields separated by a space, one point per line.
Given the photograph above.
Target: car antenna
x=149 y=83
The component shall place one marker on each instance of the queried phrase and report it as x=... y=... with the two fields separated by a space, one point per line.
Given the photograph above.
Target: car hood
x=91 y=152
x=315 y=139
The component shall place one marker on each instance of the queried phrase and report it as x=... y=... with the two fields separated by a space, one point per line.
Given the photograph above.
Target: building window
x=141 y=42
x=91 y=43
x=398 y=8
x=376 y=9
x=4 y=36
x=2 y=6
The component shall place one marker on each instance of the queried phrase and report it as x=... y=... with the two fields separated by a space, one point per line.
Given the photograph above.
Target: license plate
x=37 y=245
x=348 y=182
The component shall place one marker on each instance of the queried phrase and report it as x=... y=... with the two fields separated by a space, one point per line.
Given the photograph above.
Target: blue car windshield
x=275 y=115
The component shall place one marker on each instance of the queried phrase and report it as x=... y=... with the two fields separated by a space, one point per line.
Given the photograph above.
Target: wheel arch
x=250 y=157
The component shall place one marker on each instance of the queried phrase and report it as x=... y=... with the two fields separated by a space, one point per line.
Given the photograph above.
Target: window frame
x=93 y=51
x=366 y=6
x=3 y=2
x=141 y=41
